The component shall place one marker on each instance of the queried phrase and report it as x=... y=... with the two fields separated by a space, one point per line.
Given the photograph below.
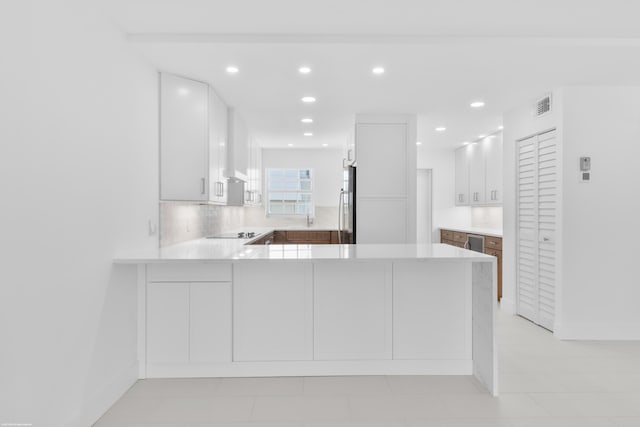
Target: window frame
x=298 y=192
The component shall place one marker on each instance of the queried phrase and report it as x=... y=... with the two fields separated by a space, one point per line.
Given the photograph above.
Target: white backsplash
x=180 y=222
x=487 y=217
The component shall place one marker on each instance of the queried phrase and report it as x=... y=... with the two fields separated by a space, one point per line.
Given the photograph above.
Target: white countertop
x=236 y=250
x=474 y=230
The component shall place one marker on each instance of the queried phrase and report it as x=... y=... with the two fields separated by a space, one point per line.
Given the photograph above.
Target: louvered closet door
x=536 y=224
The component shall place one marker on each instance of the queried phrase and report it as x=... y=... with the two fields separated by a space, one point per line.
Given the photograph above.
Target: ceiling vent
x=543 y=106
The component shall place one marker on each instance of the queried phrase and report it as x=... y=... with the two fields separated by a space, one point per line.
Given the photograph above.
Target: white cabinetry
x=188 y=314
x=477 y=170
x=253 y=193
x=193 y=139
x=238 y=149
x=273 y=312
x=352 y=310
x=493 y=181
x=218 y=120
x=184 y=138
x=386 y=178
x=479 y=173
x=462 y=177
x=188 y=322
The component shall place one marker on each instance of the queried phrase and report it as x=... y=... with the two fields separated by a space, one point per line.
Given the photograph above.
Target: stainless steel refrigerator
x=347 y=207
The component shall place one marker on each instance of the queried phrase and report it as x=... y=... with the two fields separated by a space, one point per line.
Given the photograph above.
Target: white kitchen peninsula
x=212 y=308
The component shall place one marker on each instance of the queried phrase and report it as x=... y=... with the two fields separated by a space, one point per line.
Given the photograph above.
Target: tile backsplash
x=487 y=217
x=180 y=222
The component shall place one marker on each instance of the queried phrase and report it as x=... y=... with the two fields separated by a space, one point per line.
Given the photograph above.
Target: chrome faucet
x=309 y=220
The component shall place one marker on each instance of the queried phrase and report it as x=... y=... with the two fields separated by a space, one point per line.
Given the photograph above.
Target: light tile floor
x=543 y=382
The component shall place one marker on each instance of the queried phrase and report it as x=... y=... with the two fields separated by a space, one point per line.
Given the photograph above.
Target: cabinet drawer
x=190 y=272
x=446 y=235
x=493 y=243
x=459 y=237
x=493 y=252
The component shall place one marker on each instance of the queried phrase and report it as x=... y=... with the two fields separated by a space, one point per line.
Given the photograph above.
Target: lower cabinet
x=273 y=312
x=188 y=322
x=352 y=311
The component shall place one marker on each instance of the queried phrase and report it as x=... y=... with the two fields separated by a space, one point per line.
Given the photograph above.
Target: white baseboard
x=99 y=401
x=599 y=331
x=311 y=368
x=508 y=305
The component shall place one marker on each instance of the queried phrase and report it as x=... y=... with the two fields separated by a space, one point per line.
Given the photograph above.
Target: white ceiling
x=438 y=55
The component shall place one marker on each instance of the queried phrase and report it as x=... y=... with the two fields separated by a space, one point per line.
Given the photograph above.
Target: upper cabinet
x=238 y=149
x=479 y=173
x=184 y=139
x=193 y=141
x=253 y=192
x=462 y=177
x=218 y=118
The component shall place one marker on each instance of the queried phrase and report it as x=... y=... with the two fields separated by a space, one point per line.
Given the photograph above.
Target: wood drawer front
x=493 y=252
x=459 y=237
x=309 y=236
x=189 y=272
x=491 y=242
x=446 y=235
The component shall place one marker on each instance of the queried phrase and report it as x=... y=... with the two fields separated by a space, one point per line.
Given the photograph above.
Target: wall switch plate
x=585 y=169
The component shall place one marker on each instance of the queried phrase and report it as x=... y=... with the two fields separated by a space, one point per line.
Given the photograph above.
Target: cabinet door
x=476 y=174
x=167 y=323
x=381 y=220
x=493 y=160
x=376 y=177
x=218 y=148
x=184 y=139
x=238 y=148
x=210 y=322
x=352 y=311
x=431 y=310
x=272 y=311
x=462 y=176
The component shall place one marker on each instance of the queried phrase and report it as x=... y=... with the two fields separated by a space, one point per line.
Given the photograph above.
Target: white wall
x=326 y=165
x=600 y=233
x=597 y=281
x=445 y=213
x=78 y=177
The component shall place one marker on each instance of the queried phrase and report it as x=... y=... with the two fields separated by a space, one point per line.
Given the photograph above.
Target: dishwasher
x=475 y=243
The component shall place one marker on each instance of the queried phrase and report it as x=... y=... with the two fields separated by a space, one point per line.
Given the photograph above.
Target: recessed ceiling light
x=308 y=99
x=477 y=104
x=500 y=127
x=308 y=134
x=441 y=129
x=481 y=136
x=232 y=69
x=378 y=70
x=290 y=145
x=418 y=143
x=183 y=91
x=325 y=145
x=465 y=143
x=307 y=120
x=304 y=70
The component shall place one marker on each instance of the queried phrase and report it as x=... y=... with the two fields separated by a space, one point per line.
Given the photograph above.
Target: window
x=289 y=192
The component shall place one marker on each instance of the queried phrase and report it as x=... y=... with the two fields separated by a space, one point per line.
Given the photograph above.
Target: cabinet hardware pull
x=202 y=182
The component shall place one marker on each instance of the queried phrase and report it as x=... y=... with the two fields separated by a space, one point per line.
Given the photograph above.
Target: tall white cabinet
x=386 y=178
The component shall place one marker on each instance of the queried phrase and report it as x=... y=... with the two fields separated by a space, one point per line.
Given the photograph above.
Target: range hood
x=235 y=194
